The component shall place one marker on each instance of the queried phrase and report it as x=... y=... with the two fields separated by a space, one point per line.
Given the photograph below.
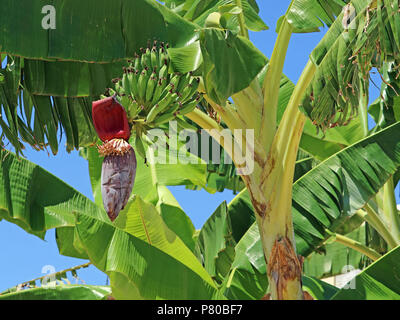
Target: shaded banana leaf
x=318 y=289
x=380 y=281
x=247 y=278
x=60 y=292
x=175 y=218
x=332 y=259
x=216 y=244
x=130 y=264
x=69 y=79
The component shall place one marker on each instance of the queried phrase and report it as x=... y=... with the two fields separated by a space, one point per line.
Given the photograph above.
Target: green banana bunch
x=149 y=89
x=151 y=92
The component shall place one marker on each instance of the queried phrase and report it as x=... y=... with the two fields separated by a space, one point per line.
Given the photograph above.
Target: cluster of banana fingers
x=151 y=93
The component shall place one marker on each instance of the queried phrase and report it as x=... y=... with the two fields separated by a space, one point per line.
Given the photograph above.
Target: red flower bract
x=110 y=120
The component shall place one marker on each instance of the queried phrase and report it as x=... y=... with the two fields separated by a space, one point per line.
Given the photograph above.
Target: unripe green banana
x=148 y=57
x=154 y=111
x=143 y=62
x=118 y=88
x=184 y=125
x=161 y=84
x=175 y=80
x=134 y=109
x=190 y=89
x=163 y=72
x=125 y=83
x=174 y=107
x=188 y=107
x=154 y=58
x=163 y=119
x=184 y=81
x=136 y=63
x=151 y=84
x=133 y=77
x=167 y=100
x=142 y=83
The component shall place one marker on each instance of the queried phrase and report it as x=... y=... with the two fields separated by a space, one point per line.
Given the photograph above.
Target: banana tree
x=332 y=90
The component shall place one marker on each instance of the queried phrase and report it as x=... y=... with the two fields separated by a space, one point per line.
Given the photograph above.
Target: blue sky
x=23 y=256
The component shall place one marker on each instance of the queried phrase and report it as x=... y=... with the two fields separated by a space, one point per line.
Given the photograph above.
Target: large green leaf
x=137 y=269
x=142 y=220
x=60 y=292
x=318 y=289
x=225 y=72
x=341 y=185
x=78 y=66
x=98 y=32
x=380 y=281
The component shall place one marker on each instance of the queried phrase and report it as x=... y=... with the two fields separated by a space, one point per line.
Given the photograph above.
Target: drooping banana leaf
x=216 y=244
x=37 y=201
x=344 y=58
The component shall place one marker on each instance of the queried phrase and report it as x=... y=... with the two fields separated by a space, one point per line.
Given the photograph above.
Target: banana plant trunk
x=270 y=188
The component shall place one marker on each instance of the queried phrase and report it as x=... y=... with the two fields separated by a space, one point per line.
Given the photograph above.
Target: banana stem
x=276 y=222
x=370 y=216
x=353 y=244
x=272 y=81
